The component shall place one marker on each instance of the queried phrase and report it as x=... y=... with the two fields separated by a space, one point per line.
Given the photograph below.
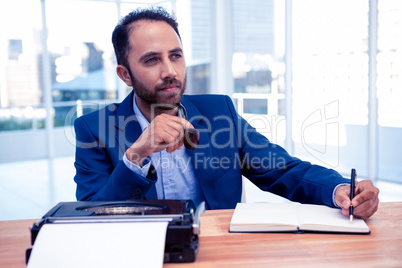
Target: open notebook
x=293 y=217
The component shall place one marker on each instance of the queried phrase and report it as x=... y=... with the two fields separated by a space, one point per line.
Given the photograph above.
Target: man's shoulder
x=208 y=100
x=209 y=105
x=96 y=113
x=100 y=111
x=203 y=97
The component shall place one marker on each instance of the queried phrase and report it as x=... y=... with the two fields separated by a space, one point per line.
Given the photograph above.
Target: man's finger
x=342 y=196
x=365 y=191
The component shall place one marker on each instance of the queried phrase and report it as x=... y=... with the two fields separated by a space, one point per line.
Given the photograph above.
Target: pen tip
x=351 y=218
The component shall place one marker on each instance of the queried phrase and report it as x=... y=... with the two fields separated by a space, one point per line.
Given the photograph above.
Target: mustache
x=169 y=83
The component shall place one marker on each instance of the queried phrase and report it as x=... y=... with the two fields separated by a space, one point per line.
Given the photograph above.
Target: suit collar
x=202 y=155
x=127 y=127
x=128 y=131
x=193 y=114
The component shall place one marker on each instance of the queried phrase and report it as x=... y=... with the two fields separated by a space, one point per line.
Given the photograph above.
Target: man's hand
x=365 y=202
x=164 y=132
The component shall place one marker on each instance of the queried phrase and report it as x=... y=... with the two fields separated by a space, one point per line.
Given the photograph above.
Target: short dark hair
x=120 y=36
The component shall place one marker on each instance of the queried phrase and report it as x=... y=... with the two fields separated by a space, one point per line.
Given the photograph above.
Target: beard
x=155 y=97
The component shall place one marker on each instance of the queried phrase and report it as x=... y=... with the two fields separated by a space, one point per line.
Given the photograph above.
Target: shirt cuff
x=143 y=171
x=333 y=193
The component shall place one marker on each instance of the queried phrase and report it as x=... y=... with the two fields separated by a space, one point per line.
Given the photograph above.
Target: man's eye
x=151 y=60
x=176 y=56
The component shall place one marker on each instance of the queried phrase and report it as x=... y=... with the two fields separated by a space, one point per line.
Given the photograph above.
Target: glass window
x=81 y=54
x=389 y=89
x=82 y=57
x=258 y=63
x=258 y=45
x=330 y=82
x=195 y=24
x=20 y=83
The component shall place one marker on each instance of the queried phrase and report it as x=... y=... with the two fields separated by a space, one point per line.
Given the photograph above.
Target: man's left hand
x=365 y=202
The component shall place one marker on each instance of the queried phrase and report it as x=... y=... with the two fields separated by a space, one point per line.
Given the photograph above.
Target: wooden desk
x=218 y=248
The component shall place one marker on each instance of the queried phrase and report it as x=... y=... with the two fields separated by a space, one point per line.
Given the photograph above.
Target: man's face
x=157 y=65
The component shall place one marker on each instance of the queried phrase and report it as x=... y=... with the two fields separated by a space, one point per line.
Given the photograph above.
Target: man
x=135 y=149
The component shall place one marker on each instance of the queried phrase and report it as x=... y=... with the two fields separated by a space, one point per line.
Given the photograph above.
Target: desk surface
x=218 y=248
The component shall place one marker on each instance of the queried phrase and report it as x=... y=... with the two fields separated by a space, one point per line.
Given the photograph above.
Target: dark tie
x=152 y=173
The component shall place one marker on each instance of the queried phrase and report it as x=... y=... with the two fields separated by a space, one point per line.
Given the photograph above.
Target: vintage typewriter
x=183 y=227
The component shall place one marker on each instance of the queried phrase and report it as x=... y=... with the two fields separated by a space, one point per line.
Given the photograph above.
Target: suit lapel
x=202 y=155
x=127 y=131
x=127 y=128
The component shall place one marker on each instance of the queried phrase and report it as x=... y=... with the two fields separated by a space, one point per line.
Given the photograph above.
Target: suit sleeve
x=272 y=169
x=96 y=176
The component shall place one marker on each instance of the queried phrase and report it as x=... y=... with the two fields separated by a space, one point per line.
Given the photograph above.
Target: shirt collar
x=141 y=118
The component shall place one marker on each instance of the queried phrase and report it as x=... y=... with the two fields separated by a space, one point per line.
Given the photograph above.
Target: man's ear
x=124 y=75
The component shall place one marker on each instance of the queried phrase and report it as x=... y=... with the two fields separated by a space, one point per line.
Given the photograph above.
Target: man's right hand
x=164 y=132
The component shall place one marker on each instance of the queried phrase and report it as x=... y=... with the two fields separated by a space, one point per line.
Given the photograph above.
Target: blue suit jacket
x=229 y=148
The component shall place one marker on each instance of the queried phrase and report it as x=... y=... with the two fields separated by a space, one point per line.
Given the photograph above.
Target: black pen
x=352 y=192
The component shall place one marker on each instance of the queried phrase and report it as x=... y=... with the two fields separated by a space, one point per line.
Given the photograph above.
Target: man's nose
x=168 y=70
